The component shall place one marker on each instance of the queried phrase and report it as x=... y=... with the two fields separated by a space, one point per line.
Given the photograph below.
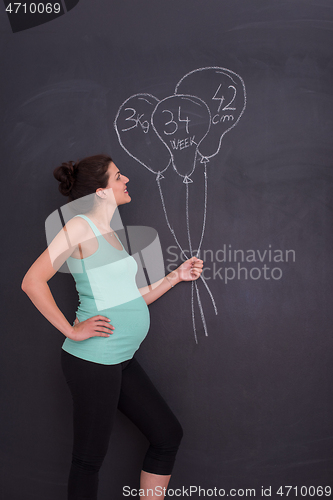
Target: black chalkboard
x=220 y=113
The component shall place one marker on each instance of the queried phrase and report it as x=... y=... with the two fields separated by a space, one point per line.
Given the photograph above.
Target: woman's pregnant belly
x=131 y=324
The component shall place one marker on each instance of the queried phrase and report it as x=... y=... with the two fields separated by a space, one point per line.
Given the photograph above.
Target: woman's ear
x=100 y=193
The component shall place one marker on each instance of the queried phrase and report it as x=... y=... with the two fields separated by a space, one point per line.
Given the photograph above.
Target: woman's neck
x=102 y=217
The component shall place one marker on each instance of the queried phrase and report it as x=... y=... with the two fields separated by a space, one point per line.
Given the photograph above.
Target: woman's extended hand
x=97 y=326
x=190 y=270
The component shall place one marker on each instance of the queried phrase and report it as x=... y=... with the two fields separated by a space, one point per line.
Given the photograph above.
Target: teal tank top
x=105 y=282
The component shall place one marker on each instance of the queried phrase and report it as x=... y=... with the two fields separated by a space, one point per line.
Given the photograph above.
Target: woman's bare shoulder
x=77 y=227
x=75 y=231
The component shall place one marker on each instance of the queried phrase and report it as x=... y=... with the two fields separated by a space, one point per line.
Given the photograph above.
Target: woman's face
x=117 y=182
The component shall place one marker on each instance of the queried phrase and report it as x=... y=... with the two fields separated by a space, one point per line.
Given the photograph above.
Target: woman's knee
x=169 y=437
x=86 y=464
x=177 y=433
x=161 y=454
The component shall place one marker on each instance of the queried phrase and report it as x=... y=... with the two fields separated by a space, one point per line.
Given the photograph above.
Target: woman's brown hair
x=82 y=178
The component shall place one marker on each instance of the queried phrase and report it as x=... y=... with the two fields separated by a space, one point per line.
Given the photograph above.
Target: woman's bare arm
x=35 y=285
x=190 y=270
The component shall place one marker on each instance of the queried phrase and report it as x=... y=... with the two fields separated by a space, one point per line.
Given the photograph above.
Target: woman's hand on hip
x=97 y=326
x=190 y=270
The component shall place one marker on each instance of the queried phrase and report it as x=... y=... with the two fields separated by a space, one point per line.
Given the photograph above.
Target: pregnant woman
x=112 y=320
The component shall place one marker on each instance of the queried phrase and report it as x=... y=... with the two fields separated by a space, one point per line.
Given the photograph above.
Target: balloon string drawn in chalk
x=158 y=177
x=188 y=223
x=205 y=212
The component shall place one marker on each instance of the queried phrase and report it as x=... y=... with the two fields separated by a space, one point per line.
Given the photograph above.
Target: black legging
x=97 y=391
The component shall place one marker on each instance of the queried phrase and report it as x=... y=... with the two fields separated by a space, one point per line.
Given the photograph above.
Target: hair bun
x=65 y=174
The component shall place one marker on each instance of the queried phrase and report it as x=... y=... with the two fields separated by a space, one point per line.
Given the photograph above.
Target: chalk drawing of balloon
x=136 y=135
x=224 y=93
x=158 y=133
x=182 y=122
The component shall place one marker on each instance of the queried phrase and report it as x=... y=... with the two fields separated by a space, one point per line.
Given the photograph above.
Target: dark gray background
x=255 y=396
